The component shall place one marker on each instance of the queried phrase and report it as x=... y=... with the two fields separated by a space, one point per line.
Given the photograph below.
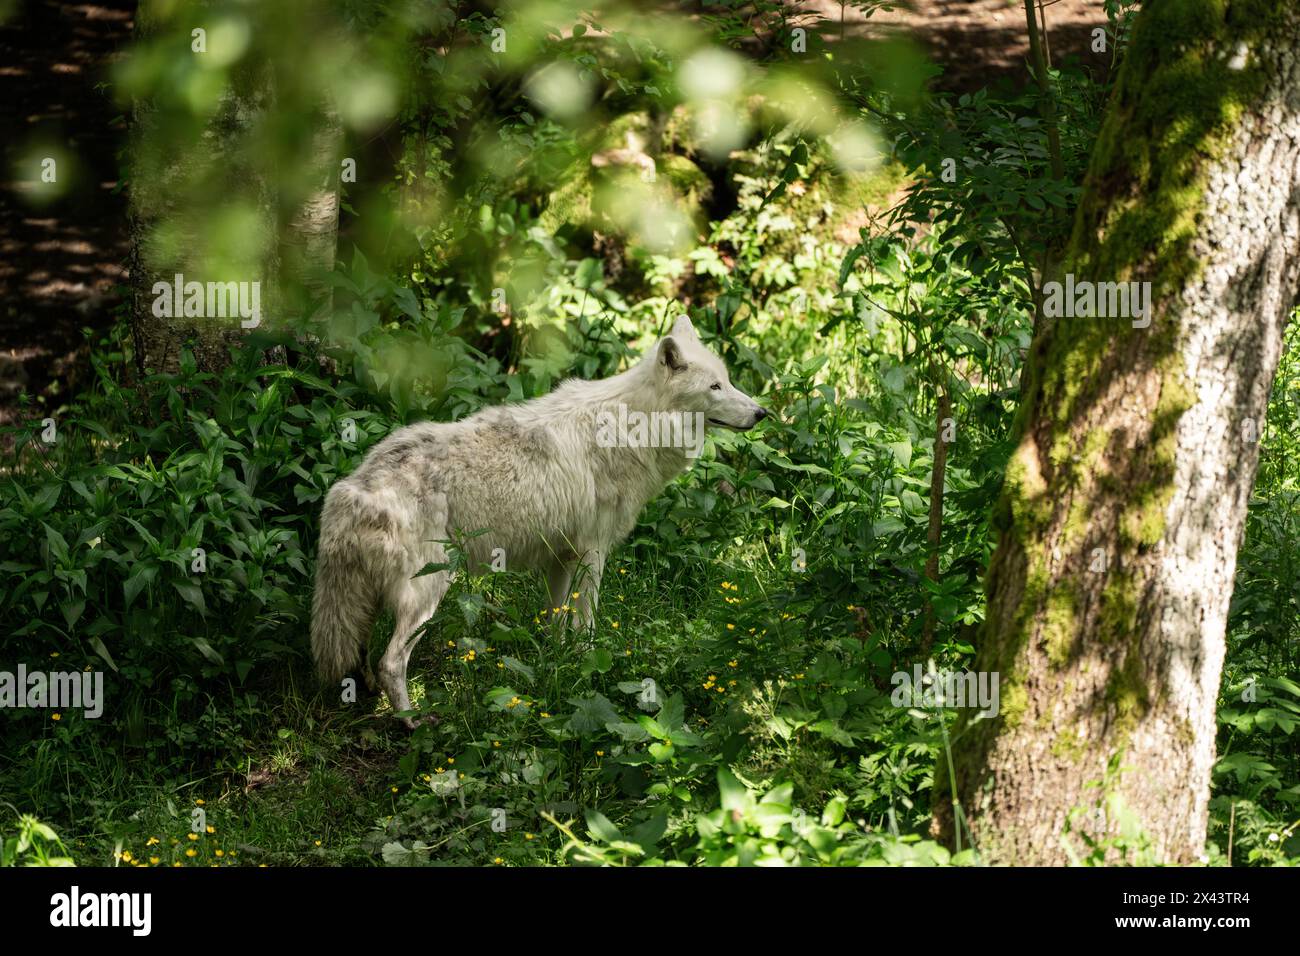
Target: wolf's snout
x=760 y=413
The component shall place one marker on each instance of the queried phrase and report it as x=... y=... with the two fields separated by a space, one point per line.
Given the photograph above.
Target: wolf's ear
x=670 y=355
x=683 y=329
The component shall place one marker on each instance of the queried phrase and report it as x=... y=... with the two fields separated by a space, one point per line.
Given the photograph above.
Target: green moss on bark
x=1060 y=626
x=1128 y=695
x=1013 y=702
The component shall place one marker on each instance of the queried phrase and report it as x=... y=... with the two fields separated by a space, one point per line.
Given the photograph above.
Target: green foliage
x=176 y=529
x=35 y=844
x=732 y=706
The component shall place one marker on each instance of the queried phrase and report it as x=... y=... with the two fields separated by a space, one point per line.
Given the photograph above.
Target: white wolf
x=538 y=478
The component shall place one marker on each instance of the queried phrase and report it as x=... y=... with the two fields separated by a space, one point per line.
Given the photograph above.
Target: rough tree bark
x=1125 y=501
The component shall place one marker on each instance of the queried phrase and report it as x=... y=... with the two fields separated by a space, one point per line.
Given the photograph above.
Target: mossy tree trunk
x=1125 y=501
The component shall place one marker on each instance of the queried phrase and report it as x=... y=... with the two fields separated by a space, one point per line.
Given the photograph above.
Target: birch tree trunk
x=1125 y=501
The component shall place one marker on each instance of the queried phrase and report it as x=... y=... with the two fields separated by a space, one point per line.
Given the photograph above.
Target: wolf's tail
x=343 y=604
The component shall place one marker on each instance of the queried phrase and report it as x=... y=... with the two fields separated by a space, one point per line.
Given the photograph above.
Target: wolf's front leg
x=586 y=582
x=559 y=577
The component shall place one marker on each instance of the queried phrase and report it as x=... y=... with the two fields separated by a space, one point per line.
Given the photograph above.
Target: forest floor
x=981 y=42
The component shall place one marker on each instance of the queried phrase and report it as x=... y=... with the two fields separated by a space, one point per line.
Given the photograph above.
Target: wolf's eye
x=716 y=386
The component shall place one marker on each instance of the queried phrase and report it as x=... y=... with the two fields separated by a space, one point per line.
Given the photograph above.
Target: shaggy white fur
x=541 y=480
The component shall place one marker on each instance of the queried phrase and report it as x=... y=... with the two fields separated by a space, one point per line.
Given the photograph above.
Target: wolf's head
x=695 y=380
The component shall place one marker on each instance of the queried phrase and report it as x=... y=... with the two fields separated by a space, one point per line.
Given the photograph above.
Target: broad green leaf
x=601 y=828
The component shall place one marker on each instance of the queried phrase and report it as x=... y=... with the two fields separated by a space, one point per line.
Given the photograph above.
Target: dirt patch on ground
x=978 y=42
x=60 y=259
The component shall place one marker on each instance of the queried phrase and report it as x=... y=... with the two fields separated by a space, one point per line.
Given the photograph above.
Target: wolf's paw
x=413 y=723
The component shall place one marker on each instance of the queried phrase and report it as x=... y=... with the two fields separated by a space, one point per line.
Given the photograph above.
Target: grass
x=324 y=782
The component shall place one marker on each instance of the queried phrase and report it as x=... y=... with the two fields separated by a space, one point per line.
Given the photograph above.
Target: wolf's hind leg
x=414 y=603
